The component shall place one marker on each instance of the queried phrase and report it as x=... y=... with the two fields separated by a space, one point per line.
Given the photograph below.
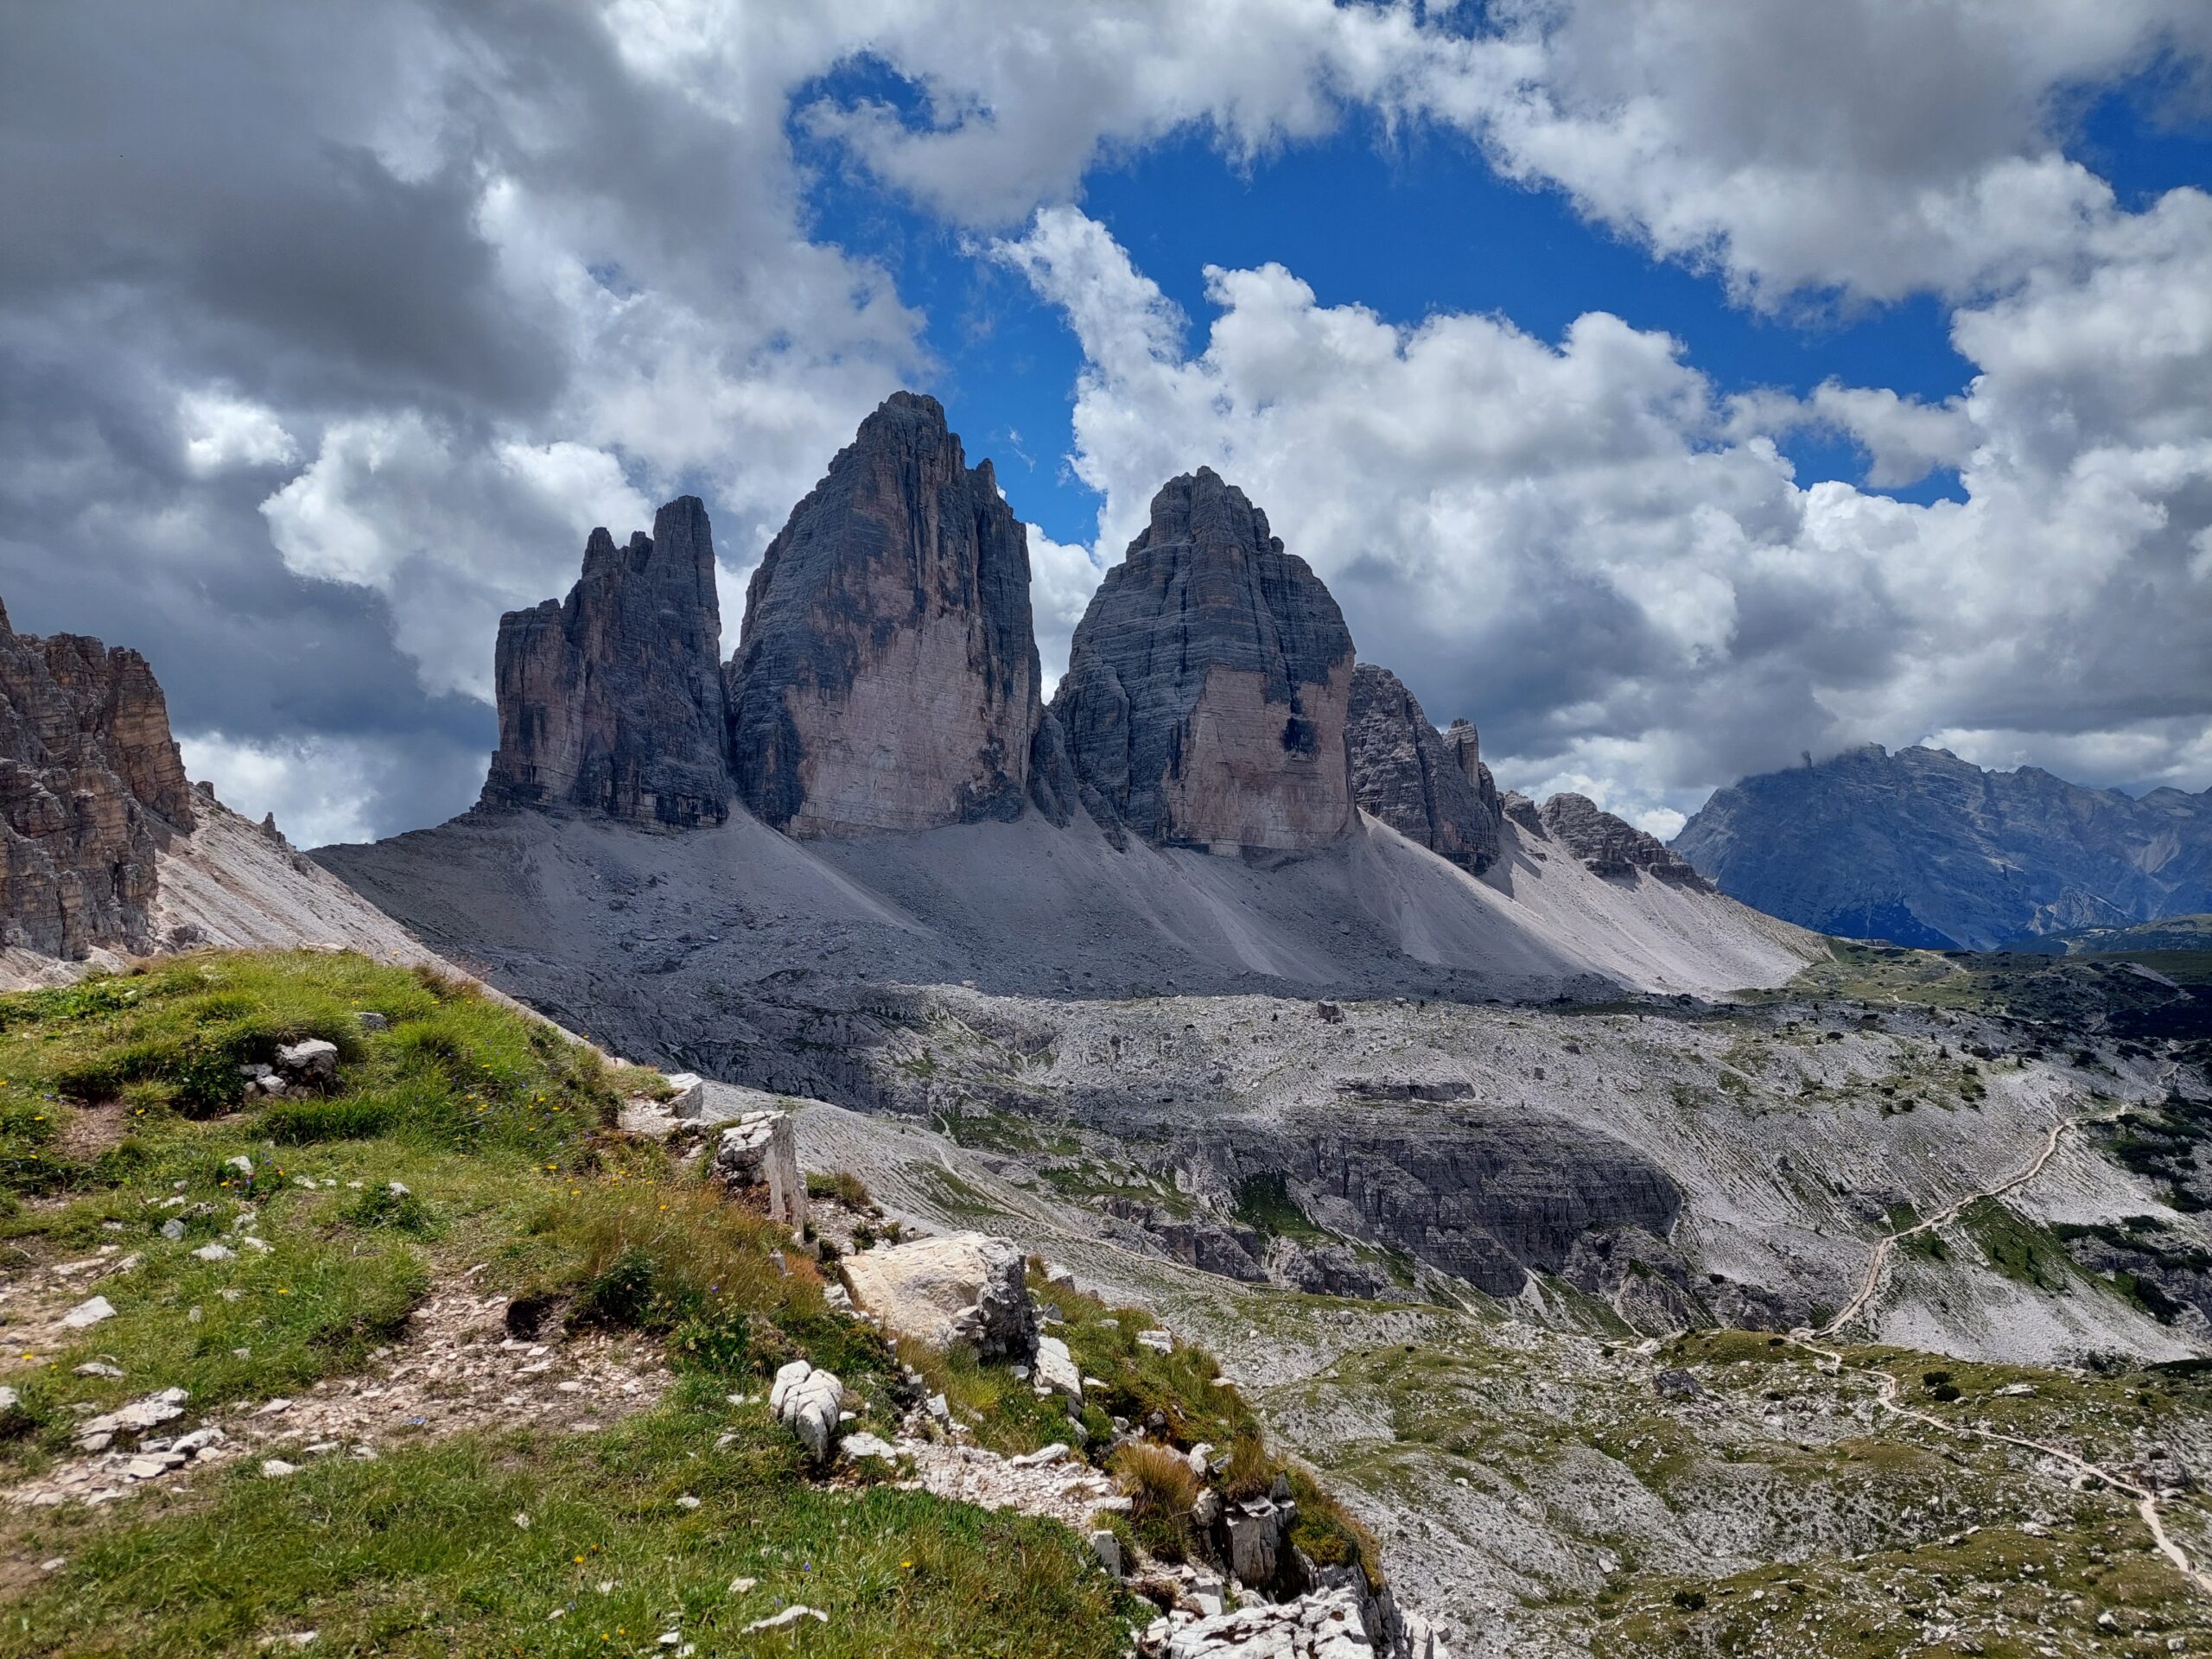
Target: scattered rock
x=1055 y=1453
x=791 y=1615
x=1107 y=1548
x=88 y=1313
x=1057 y=1369
x=311 y=1064
x=278 y=1468
x=1677 y=1385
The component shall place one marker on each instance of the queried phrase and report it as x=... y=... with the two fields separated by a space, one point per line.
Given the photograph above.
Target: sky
x=1675 y=388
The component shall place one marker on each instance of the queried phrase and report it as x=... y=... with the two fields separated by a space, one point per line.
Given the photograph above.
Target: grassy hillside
x=463 y=1152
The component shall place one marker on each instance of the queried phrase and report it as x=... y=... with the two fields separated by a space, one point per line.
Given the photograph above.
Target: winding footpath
x=1889 y=1388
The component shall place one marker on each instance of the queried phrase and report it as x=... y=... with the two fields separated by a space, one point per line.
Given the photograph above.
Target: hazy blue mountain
x=1922 y=848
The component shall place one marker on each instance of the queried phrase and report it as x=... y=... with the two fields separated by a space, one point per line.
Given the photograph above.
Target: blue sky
x=1673 y=386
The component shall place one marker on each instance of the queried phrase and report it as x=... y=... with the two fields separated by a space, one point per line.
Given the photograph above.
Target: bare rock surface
x=1204 y=701
x=966 y=1288
x=1609 y=846
x=1405 y=774
x=92 y=788
x=757 y=1153
x=887 y=677
x=612 y=701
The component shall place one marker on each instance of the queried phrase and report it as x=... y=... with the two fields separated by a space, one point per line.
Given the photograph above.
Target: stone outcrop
x=612 y=701
x=1921 y=848
x=1430 y=789
x=92 y=788
x=1206 y=697
x=887 y=677
x=758 y=1155
x=1612 y=847
x=967 y=1288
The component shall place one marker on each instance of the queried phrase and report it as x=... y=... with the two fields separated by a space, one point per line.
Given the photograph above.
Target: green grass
x=120 y=1110
x=1263 y=1202
x=419 y=1553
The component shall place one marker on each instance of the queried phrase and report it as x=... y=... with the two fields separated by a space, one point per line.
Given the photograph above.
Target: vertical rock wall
x=613 y=701
x=887 y=677
x=91 y=788
x=1429 y=789
x=1207 y=683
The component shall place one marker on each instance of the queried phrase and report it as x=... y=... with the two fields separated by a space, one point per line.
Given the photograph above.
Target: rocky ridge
x=1430 y=788
x=91 y=789
x=1921 y=848
x=1611 y=846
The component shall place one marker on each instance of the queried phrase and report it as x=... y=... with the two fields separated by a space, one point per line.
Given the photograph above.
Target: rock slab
x=92 y=788
x=612 y=701
x=887 y=677
x=965 y=1288
x=1206 y=697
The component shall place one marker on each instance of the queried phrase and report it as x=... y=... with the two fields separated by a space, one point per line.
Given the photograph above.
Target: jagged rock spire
x=612 y=702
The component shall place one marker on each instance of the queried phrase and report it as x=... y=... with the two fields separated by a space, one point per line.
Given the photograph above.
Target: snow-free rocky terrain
x=1654 y=1276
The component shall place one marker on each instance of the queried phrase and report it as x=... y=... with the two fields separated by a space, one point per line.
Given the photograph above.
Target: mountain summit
x=1923 y=849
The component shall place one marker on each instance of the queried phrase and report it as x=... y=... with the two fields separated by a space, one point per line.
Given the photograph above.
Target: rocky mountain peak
x=1208 y=682
x=91 y=787
x=612 y=701
x=1613 y=847
x=1922 y=848
x=1422 y=784
x=886 y=677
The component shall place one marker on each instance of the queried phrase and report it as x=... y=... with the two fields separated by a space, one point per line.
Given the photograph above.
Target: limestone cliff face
x=1208 y=683
x=612 y=701
x=1613 y=847
x=91 y=788
x=1416 y=782
x=886 y=678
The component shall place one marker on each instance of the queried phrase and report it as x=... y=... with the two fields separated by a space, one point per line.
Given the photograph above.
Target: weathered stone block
x=761 y=1151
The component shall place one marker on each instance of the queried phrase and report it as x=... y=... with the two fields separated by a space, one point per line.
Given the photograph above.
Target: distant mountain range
x=1921 y=848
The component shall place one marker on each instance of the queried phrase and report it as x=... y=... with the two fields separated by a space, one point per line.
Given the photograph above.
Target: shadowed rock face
x=886 y=678
x=612 y=702
x=1612 y=847
x=91 y=788
x=1208 y=681
x=1405 y=774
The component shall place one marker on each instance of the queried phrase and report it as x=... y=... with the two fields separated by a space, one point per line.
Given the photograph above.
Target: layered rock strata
x=887 y=677
x=612 y=701
x=1612 y=847
x=92 y=788
x=1208 y=683
x=1416 y=781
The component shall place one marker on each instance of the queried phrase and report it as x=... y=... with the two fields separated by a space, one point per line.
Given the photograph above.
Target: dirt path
x=2146 y=1501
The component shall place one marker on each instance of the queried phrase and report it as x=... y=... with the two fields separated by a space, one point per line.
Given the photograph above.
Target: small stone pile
x=303 y=1068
